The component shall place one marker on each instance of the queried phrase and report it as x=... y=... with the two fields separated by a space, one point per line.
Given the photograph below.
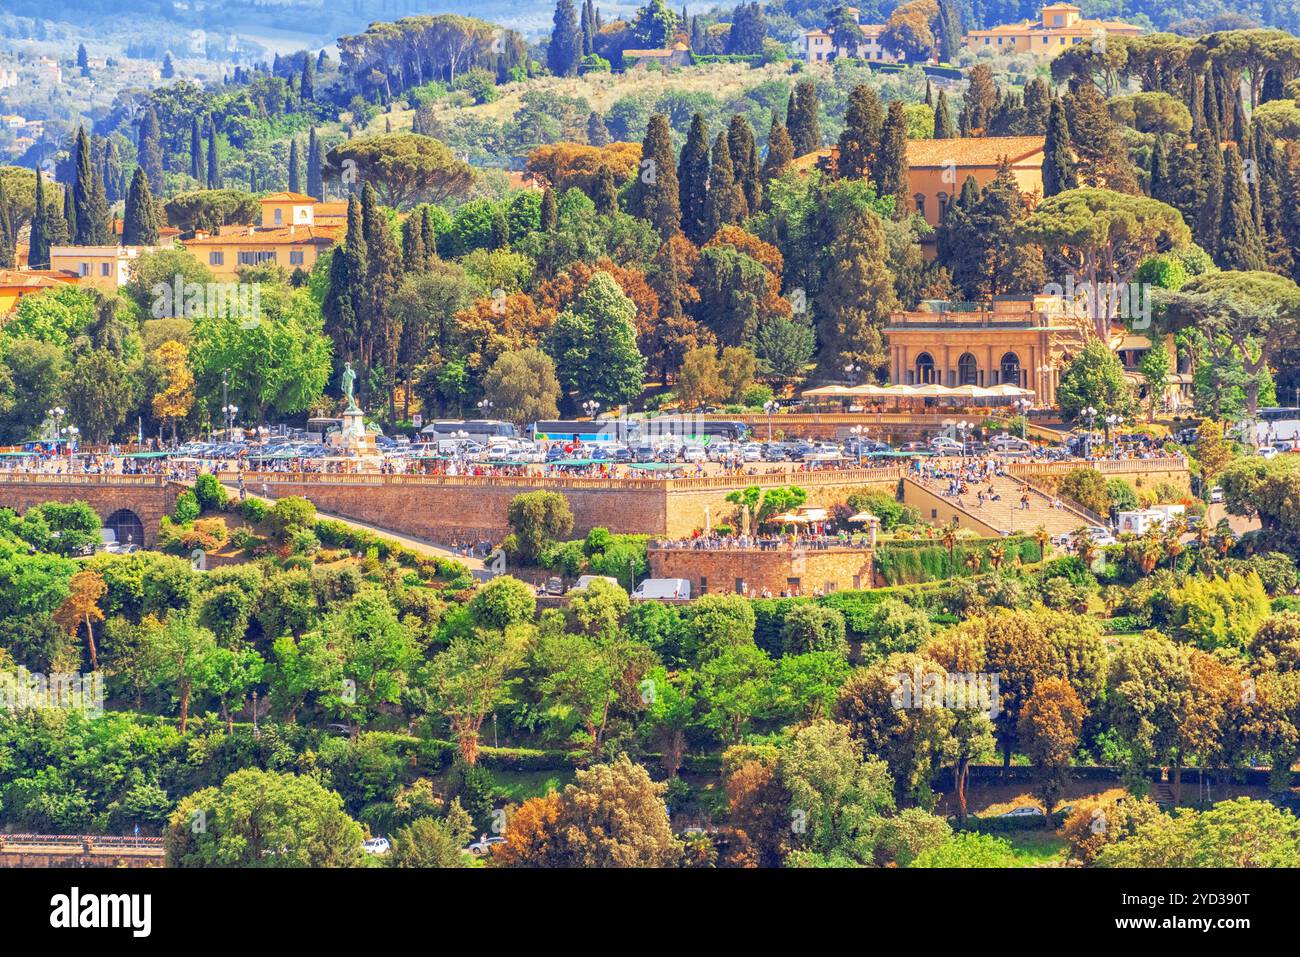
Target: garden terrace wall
x=443 y=508
x=150 y=497
x=731 y=571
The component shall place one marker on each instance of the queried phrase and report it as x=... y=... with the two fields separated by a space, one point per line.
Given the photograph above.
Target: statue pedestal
x=354 y=439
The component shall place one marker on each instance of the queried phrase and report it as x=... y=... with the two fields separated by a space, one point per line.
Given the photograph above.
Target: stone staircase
x=1006 y=515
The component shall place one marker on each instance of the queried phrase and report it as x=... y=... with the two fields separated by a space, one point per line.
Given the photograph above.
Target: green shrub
x=210 y=493
x=187 y=508
x=255 y=510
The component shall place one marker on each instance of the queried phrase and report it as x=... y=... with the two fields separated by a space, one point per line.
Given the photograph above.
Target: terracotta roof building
x=1059 y=27
x=289 y=237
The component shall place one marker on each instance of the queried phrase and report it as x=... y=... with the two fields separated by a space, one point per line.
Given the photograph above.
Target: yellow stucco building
x=1059 y=27
x=105 y=268
x=936 y=169
x=289 y=237
x=1019 y=340
x=1025 y=341
x=15 y=284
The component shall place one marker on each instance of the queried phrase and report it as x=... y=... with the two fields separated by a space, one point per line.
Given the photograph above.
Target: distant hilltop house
x=936 y=169
x=819 y=46
x=289 y=237
x=1060 y=26
x=105 y=268
x=679 y=54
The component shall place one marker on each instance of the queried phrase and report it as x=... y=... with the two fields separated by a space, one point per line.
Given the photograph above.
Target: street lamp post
x=851 y=370
x=228 y=411
x=485 y=407
x=1112 y=421
x=56 y=414
x=859 y=433
x=73 y=432
x=1024 y=405
x=770 y=406
x=591 y=407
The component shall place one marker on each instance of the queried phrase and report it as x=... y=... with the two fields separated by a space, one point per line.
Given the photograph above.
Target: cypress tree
x=214 y=169
x=929 y=94
x=890 y=171
x=693 y=181
x=1210 y=107
x=1099 y=154
x=804 y=124
x=744 y=162
x=1289 y=212
x=726 y=201
x=307 y=84
x=1239 y=243
x=943 y=128
x=114 y=176
x=550 y=215
x=857 y=296
x=780 y=151
x=83 y=201
x=383 y=273
x=295 y=176
x=430 y=234
x=1058 y=161
x=1037 y=100
x=196 y=151
x=100 y=215
x=347 y=276
x=1159 y=185
x=315 y=180
x=864 y=122
x=500 y=238
x=565 y=50
x=606 y=198
x=38 y=253
x=8 y=244
x=597 y=131
x=415 y=257
x=70 y=212
x=1195 y=103
x=588 y=28
x=1210 y=190
x=655 y=196
x=150 y=148
x=140 y=221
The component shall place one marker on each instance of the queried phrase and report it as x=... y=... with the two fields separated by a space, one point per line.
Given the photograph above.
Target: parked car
x=483 y=845
x=1216 y=494
x=945 y=445
x=376 y=845
x=1008 y=443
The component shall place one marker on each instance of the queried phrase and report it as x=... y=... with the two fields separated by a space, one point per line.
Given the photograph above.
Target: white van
x=663 y=588
x=585 y=580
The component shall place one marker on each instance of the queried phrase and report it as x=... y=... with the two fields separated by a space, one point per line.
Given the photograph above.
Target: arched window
x=1009 y=369
x=968 y=372
x=944 y=203
x=924 y=369
x=126 y=525
x=920 y=204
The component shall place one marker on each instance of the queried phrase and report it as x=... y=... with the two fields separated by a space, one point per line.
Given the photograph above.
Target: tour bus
x=482 y=431
x=693 y=428
x=585 y=431
x=1272 y=425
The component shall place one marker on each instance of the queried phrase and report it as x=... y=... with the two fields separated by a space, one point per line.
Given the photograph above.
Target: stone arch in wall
x=968 y=370
x=126 y=525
